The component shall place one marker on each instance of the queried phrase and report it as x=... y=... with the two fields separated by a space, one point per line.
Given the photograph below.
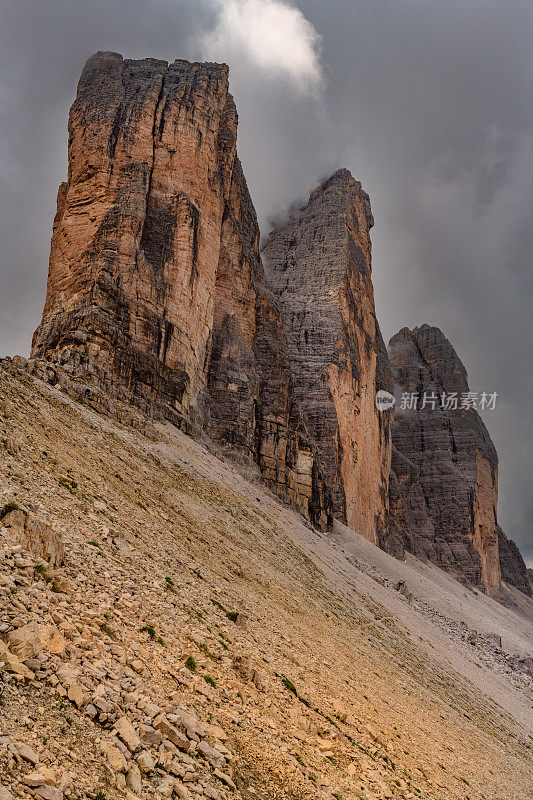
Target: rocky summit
x=226 y=571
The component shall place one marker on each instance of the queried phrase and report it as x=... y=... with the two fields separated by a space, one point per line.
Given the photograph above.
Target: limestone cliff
x=444 y=463
x=512 y=565
x=156 y=294
x=319 y=263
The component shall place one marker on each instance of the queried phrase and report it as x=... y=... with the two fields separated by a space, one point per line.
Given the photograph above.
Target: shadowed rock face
x=444 y=462
x=512 y=565
x=157 y=299
x=319 y=263
x=250 y=399
x=156 y=294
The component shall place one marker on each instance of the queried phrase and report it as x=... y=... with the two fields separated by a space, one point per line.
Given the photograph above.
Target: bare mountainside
x=169 y=629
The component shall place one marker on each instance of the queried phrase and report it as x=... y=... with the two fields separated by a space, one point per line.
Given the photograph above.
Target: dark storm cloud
x=427 y=103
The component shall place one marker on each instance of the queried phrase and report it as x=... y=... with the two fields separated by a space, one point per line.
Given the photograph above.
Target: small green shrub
x=149 y=630
x=191 y=664
x=290 y=686
x=205 y=650
x=105 y=628
x=232 y=615
x=211 y=681
x=69 y=484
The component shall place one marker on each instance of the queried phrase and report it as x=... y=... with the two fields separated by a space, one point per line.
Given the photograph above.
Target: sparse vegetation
x=107 y=629
x=68 y=483
x=288 y=684
x=211 y=681
x=150 y=631
x=190 y=663
x=206 y=651
x=8 y=508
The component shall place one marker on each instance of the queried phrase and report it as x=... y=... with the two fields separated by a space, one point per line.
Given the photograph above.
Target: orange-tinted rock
x=444 y=463
x=319 y=263
x=136 y=235
x=156 y=294
x=39 y=539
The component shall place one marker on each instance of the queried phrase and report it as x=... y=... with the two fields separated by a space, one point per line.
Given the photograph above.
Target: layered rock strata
x=444 y=462
x=319 y=264
x=512 y=566
x=156 y=293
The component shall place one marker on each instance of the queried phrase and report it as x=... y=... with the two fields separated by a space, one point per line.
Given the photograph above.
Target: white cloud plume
x=273 y=35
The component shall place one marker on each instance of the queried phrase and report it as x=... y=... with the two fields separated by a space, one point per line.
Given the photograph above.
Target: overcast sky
x=427 y=102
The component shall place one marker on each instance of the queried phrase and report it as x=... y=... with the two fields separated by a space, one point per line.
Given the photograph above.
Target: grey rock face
x=444 y=462
x=512 y=566
x=319 y=264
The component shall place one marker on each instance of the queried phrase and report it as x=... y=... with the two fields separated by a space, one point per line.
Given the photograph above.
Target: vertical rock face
x=512 y=565
x=136 y=235
x=156 y=292
x=250 y=398
x=444 y=463
x=319 y=264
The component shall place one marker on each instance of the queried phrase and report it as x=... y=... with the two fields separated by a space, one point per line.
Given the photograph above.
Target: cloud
x=271 y=34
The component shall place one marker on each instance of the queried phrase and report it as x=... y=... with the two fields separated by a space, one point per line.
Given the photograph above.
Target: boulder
x=31 y=639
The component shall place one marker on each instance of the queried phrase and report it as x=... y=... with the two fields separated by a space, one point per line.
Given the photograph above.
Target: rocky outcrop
x=41 y=540
x=156 y=294
x=444 y=462
x=512 y=565
x=319 y=264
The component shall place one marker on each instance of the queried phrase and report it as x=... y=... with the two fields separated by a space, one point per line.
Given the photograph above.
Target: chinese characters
x=448 y=401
